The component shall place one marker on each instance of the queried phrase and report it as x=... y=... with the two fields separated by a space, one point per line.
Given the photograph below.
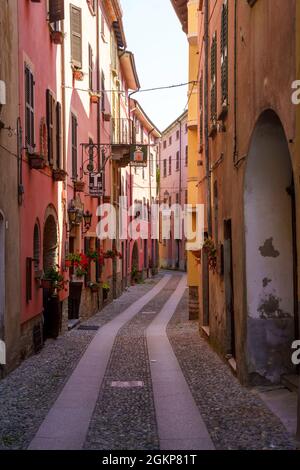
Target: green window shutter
x=224 y=53
x=76 y=36
x=58 y=136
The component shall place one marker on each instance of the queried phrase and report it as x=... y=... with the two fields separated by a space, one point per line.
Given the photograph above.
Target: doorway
x=270 y=251
x=228 y=281
x=2 y=275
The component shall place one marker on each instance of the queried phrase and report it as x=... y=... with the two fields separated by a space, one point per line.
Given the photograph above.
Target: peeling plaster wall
x=269 y=250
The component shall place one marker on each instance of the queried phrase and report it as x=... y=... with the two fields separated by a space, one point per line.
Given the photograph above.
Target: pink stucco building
x=173 y=187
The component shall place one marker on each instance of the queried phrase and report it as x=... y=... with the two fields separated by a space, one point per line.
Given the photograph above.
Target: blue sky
x=154 y=35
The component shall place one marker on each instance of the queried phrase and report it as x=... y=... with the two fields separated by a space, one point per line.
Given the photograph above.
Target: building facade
x=66 y=133
x=173 y=187
x=9 y=189
x=246 y=141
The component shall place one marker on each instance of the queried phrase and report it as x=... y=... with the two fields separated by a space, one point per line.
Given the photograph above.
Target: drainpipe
x=207 y=161
x=180 y=182
x=235 y=153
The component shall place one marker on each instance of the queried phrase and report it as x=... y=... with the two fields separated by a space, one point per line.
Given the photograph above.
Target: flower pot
x=36 y=161
x=57 y=37
x=46 y=284
x=94 y=97
x=58 y=174
x=79 y=186
x=106 y=117
x=76 y=278
x=78 y=75
x=94 y=289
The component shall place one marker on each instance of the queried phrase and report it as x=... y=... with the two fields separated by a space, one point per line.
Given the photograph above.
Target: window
x=74 y=146
x=177 y=135
x=186 y=128
x=76 y=36
x=28 y=279
x=103 y=91
x=213 y=78
x=186 y=196
x=51 y=127
x=142 y=134
x=56 y=10
x=165 y=144
x=186 y=155
x=177 y=198
x=224 y=53
x=58 y=136
x=170 y=165
x=90 y=68
x=91 y=153
x=29 y=109
x=36 y=247
x=170 y=140
x=177 y=161
x=165 y=168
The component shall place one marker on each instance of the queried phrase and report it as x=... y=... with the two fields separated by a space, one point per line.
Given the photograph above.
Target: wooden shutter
x=58 y=135
x=102 y=92
x=51 y=126
x=201 y=108
x=224 y=53
x=74 y=146
x=90 y=68
x=56 y=10
x=28 y=279
x=76 y=36
x=213 y=77
x=29 y=109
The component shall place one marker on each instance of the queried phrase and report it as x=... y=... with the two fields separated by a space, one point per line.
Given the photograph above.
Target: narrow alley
x=136 y=376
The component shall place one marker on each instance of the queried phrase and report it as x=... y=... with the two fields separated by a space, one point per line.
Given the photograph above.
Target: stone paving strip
x=28 y=393
x=236 y=417
x=180 y=424
x=124 y=417
x=67 y=423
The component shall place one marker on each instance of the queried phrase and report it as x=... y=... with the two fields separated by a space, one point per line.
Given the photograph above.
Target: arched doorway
x=270 y=256
x=2 y=275
x=51 y=303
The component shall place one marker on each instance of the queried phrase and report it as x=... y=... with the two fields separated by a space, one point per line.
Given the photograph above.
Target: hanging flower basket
x=78 y=75
x=57 y=37
x=94 y=97
x=79 y=186
x=59 y=175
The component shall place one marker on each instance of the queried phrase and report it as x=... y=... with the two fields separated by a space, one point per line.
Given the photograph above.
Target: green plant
x=55 y=277
x=105 y=286
x=211 y=251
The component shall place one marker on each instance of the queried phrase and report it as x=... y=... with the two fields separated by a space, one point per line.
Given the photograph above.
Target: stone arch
x=269 y=250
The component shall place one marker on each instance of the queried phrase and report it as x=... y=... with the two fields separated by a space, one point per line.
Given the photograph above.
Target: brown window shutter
x=29 y=108
x=76 y=36
x=56 y=10
x=49 y=118
x=28 y=279
x=58 y=135
x=74 y=147
x=90 y=68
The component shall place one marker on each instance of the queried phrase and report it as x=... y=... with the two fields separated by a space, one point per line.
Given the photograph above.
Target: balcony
x=122 y=136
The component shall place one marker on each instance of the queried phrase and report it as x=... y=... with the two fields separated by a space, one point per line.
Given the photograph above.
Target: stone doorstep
x=291 y=382
x=73 y=323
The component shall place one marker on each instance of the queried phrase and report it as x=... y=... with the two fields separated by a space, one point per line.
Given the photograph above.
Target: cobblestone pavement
x=124 y=418
x=236 y=417
x=28 y=393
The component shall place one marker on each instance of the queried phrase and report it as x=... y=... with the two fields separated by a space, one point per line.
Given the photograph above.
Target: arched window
x=36 y=247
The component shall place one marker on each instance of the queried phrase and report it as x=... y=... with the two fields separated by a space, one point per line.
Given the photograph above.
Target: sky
x=154 y=34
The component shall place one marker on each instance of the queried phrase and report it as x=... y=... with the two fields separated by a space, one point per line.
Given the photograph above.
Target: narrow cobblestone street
x=56 y=400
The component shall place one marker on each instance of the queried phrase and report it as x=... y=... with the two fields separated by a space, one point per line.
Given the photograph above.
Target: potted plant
x=53 y=280
x=59 y=174
x=57 y=37
x=94 y=97
x=79 y=186
x=77 y=74
x=105 y=290
x=79 y=264
x=211 y=251
x=94 y=286
x=36 y=161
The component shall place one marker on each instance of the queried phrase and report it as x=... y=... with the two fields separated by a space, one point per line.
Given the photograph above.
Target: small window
x=170 y=165
x=165 y=168
x=56 y=10
x=186 y=197
x=177 y=161
x=177 y=135
x=170 y=140
x=186 y=155
x=165 y=144
x=91 y=88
